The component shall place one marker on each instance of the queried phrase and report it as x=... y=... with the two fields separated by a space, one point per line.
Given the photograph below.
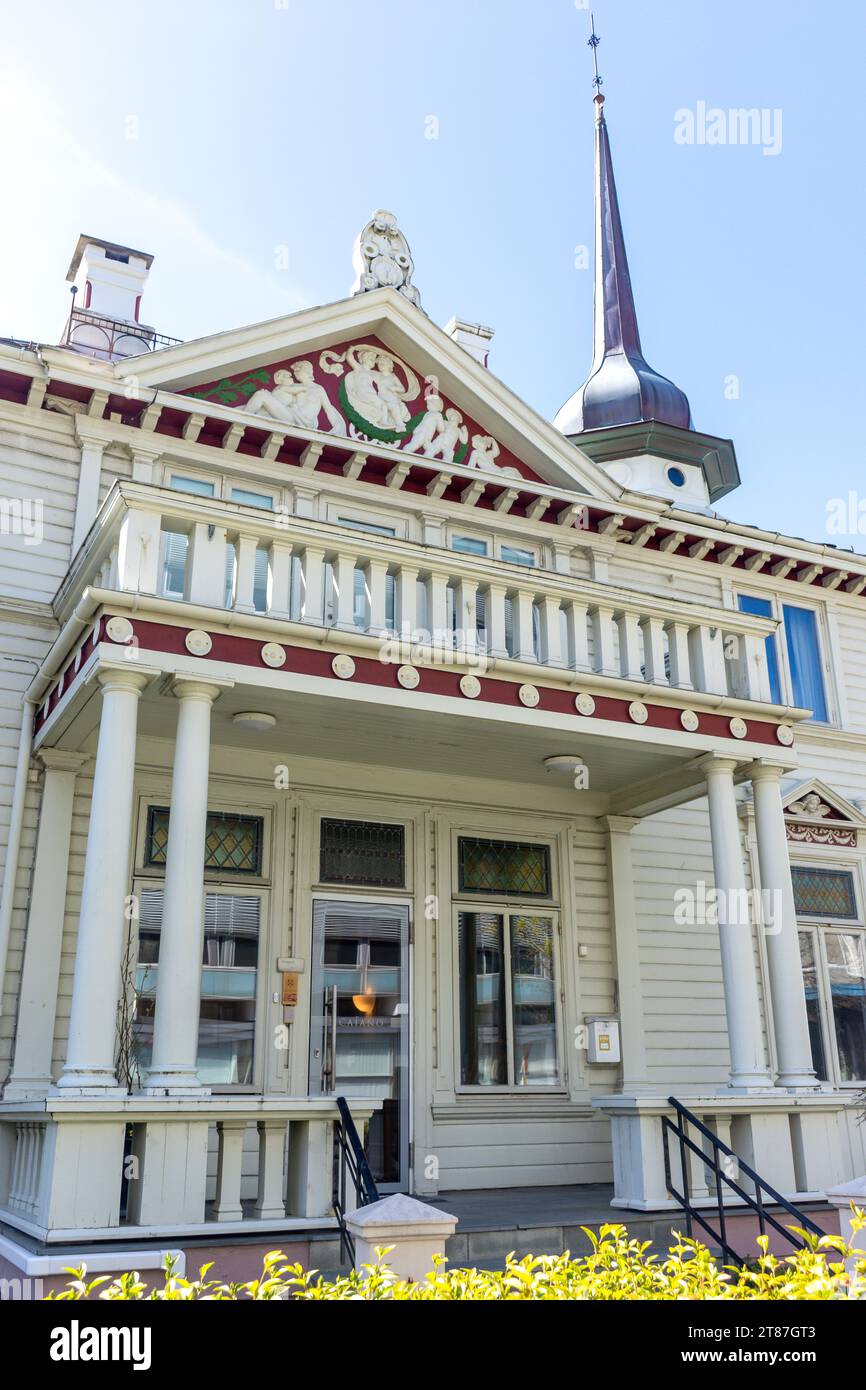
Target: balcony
x=344 y=640
x=245 y=563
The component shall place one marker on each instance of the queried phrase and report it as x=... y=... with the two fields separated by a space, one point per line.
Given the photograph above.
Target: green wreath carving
x=387 y=436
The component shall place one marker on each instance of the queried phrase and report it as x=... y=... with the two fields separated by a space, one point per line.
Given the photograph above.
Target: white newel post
x=102 y=922
x=178 y=984
x=742 y=1005
x=791 y=1024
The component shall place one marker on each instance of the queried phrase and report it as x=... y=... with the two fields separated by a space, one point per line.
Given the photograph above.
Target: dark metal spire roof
x=622 y=388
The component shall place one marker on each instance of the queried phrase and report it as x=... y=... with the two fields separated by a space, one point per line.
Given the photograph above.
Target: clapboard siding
x=683 y=996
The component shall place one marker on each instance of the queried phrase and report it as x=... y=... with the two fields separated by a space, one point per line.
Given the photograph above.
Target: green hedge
x=617 y=1268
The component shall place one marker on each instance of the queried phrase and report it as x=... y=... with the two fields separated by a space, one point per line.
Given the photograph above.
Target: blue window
x=804 y=659
x=196 y=485
x=511 y=556
x=763 y=608
x=252 y=499
x=469 y=545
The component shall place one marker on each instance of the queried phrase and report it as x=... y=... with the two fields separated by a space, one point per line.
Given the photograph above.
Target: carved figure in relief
x=377 y=385
x=297 y=399
x=424 y=434
x=811 y=805
x=485 y=452
x=452 y=432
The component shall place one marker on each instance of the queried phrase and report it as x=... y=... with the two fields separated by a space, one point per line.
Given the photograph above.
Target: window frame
x=262 y=891
x=815 y=925
x=506 y=906
x=508 y=909
x=778 y=602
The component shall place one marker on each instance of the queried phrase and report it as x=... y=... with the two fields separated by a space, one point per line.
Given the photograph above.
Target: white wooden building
x=475 y=730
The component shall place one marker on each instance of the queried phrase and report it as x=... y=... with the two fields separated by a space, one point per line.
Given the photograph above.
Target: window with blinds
x=226 y=1038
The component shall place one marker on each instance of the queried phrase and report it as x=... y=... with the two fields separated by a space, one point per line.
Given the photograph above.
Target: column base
x=89 y=1083
x=175 y=1084
x=798 y=1082
x=763 y=1087
x=27 y=1088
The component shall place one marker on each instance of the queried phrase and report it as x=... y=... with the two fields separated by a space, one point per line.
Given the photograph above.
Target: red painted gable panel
x=362 y=389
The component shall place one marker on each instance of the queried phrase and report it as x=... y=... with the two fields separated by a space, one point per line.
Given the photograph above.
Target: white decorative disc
x=273 y=654
x=689 y=720
x=584 y=704
x=529 y=696
x=637 y=712
x=119 y=629
x=738 y=728
x=343 y=666
x=198 y=642
x=785 y=734
x=408 y=677
x=470 y=686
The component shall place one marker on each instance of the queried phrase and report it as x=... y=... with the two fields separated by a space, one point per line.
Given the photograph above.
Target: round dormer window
x=676 y=477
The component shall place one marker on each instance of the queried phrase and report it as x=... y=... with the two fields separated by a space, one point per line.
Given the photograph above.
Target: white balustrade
x=325 y=576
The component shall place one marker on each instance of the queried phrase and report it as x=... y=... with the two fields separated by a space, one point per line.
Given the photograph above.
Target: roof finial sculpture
x=382 y=258
x=622 y=388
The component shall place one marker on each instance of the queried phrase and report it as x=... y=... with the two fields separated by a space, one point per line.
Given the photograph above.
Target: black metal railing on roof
x=97 y=335
x=351 y=1175
x=724 y=1168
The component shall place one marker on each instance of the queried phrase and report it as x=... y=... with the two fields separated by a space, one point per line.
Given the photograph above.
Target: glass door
x=359 y=1026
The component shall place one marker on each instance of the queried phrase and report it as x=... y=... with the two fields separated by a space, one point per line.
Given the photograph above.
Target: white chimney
x=474 y=337
x=108 y=281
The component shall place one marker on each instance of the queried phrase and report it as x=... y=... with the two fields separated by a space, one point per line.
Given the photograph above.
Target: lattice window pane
x=824 y=893
x=503 y=866
x=362 y=852
x=233 y=844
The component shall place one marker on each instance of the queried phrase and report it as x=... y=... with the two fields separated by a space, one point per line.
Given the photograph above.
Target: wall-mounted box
x=602 y=1041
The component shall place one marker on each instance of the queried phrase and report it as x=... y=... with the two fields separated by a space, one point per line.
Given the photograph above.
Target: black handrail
x=710 y=1160
x=350 y=1163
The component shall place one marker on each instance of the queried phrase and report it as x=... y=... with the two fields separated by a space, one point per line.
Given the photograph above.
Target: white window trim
x=813 y=923
x=778 y=602
x=530 y=908
x=368 y=517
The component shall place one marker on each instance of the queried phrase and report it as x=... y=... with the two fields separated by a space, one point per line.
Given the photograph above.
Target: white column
x=496 y=643
x=604 y=660
x=178 y=981
x=578 y=635
x=377 y=572
x=407 y=602
x=678 y=652
x=739 y=974
x=102 y=923
x=629 y=645
x=344 y=581
x=87 y=501
x=791 y=1025
x=313 y=602
x=40 y=974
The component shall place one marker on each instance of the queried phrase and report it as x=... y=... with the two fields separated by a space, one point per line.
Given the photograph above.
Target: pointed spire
x=621 y=388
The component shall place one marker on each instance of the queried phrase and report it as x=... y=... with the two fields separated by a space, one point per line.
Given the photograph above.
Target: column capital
x=58 y=760
x=719 y=763
x=209 y=688
x=620 y=825
x=123 y=675
x=769 y=770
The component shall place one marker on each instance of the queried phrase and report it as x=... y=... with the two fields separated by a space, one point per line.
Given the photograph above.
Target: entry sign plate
x=290 y=988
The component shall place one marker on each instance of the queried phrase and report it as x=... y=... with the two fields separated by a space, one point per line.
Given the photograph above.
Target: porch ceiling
x=469 y=744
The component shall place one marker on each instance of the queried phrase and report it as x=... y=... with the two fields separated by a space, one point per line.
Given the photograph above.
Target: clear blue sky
x=211 y=132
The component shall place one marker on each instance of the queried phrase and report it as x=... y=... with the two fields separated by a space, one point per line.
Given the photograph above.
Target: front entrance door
x=359 y=1038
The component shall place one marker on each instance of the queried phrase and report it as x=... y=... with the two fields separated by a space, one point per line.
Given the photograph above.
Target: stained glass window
x=503 y=866
x=824 y=893
x=362 y=852
x=233 y=844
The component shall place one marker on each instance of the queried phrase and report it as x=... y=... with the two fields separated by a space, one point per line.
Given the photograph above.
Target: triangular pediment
x=813 y=800
x=376 y=368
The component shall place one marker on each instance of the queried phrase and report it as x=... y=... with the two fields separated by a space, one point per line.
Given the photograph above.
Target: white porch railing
x=293 y=569
x=112 y=1168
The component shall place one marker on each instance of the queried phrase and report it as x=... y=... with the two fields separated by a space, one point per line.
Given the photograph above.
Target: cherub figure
x=452 y=432
x=296 y=399
x=427 y=429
